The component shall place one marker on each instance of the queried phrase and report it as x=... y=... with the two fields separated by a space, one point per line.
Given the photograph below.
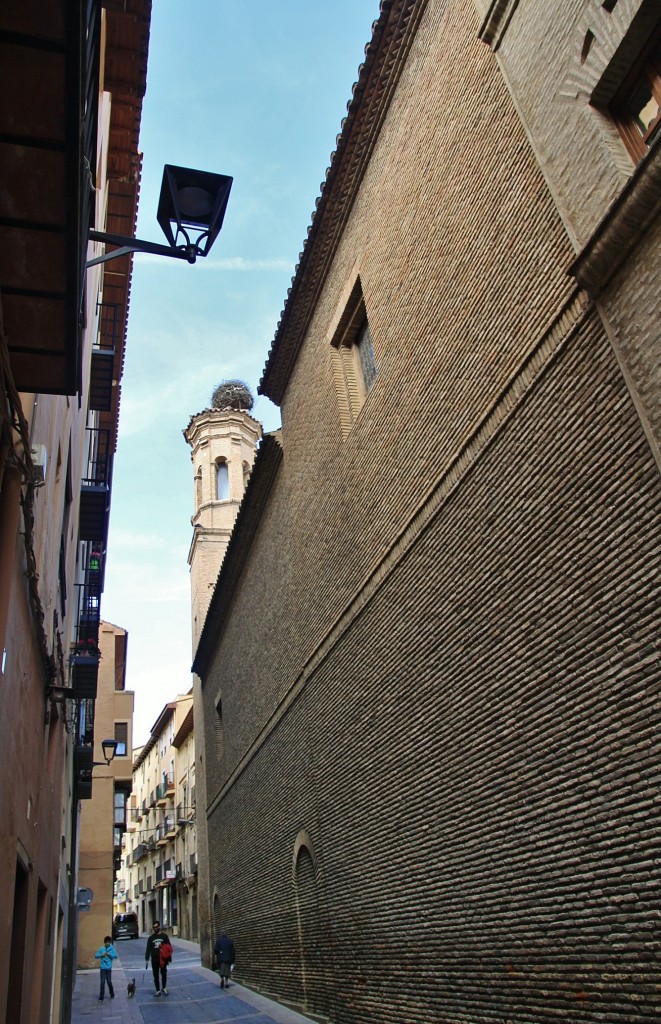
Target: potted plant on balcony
x=87 y=648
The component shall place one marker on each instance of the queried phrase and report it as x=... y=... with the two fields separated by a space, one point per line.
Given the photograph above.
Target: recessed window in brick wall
x=353 y=355
x=222 y=480
x=636 y=107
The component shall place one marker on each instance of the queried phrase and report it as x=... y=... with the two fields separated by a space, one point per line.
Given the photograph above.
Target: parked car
x=125 y=926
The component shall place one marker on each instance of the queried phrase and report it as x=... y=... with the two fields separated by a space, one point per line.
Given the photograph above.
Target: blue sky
x=257 y=90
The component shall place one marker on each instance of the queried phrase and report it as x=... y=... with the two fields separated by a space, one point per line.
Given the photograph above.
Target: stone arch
x=312 y=940
x=215 y=915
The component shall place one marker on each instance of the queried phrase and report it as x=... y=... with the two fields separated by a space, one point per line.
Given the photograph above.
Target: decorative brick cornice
x=385 y=56
x=254 y=501
x=630 y=217
x=496 y=21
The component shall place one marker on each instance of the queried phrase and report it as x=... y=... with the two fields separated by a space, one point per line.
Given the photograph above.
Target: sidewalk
x=195 y=994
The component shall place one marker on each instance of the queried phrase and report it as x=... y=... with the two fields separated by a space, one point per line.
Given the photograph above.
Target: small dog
x=130 y=988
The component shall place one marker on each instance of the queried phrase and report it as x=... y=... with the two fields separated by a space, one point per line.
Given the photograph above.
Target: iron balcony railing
x=95 y=487
x=109 y=340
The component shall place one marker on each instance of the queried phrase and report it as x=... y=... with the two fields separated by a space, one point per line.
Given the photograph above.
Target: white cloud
x=233 y=263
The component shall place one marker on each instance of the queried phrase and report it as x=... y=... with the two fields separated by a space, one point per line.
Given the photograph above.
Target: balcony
x=193 y=864
x=111 y=325
x=161 y=794
x=84 y=757
x=164 y=831
x=95 y=487
x=140 y=852
x=84 y=673
x=46 y=198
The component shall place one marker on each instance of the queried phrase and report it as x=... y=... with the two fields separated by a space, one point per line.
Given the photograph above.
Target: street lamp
x=191 y=209
x=109 y=748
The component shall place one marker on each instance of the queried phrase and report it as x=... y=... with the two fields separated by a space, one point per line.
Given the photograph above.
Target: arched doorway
x=313 y=944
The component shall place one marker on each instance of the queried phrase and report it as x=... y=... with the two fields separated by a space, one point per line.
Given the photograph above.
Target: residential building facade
x=159 y=863
x=429 y=671
x=185 y=845
x=72 y=77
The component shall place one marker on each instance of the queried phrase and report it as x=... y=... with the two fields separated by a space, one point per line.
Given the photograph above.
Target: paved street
x=195 y=994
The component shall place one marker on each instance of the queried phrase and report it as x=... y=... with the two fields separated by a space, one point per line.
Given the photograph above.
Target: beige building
x=429 y=675
x=185 y=846
x=103 y=817
x=157 y=874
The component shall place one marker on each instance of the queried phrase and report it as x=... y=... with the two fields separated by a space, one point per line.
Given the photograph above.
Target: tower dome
x=232 y=394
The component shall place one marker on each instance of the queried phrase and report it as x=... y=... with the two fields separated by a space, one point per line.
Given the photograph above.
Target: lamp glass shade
x=109 y=748
x=192 y=199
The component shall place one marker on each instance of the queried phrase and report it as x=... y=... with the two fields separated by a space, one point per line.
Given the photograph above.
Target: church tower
x=223 y=442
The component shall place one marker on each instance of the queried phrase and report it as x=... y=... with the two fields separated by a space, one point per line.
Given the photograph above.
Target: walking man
x=225 y=957
x=159 y=964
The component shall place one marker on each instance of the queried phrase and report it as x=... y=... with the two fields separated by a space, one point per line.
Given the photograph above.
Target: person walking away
x=106 y=954
x=225 y=957
x=155 y=942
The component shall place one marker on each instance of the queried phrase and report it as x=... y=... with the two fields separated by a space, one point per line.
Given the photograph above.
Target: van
x=125 y=926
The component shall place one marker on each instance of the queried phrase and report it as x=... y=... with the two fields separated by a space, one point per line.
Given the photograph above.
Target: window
x=121 y=735
x=120 y=808
x=636 y=107
x=355 y=365
x=222 y=481
x=366 y=355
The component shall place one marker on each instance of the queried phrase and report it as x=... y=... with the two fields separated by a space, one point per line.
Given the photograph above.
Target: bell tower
x=223 y=442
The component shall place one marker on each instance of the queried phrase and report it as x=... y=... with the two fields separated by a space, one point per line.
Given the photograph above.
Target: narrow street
x=195 y=996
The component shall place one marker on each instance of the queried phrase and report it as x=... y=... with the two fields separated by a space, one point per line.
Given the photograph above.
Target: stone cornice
x=254 y=502
x=385 y=56
x=621 y=230
x=496 y=21
x=201 y=420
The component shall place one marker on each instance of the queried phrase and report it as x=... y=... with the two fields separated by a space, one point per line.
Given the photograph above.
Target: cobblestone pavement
x=195 y=996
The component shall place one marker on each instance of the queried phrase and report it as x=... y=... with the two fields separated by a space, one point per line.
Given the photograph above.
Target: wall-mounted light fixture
x=191 y=209
x=109 y=748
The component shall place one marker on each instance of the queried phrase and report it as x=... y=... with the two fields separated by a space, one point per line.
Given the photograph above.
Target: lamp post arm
x=129 y=245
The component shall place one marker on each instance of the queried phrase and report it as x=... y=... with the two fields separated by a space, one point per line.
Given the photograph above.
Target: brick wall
x=438 y=664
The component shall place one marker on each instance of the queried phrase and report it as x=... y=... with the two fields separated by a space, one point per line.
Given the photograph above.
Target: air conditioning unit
x=39 y=461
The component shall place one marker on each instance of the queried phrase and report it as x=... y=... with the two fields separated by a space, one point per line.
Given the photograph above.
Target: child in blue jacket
x=106 y=954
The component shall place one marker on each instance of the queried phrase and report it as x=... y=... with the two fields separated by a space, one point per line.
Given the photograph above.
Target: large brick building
x=430 y=666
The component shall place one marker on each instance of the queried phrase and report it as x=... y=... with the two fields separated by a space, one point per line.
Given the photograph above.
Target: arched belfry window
x=222 y=481
x=198 y=486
